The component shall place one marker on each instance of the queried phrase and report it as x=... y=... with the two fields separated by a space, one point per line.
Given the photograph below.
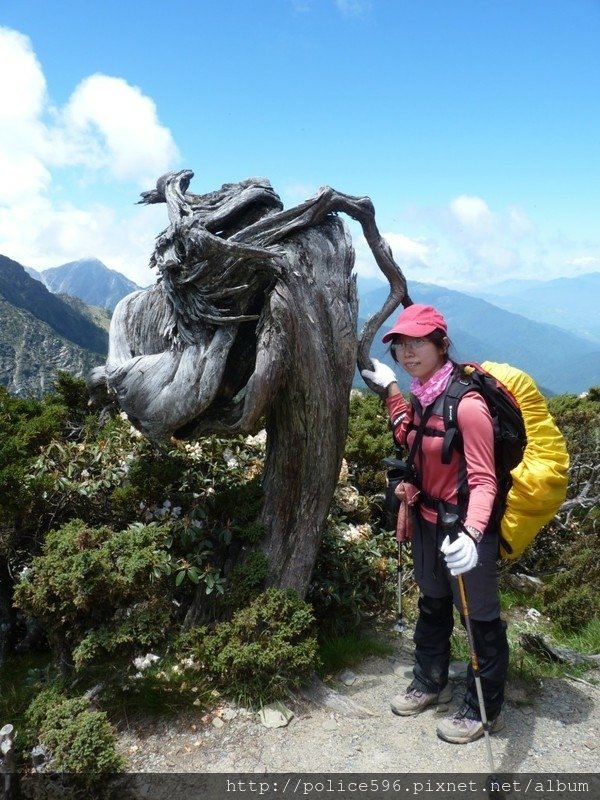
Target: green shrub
x=79 y=740
x=247 y=580
x=38 y=710
x=27 y=426
x=572 y=597
x=95 y=591
x=207 y=494
x=266 y=647
x=237 y=505
x=353 y=578
x=369 y=441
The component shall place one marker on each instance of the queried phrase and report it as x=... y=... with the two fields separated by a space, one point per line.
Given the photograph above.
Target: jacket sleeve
x=400 y=415
x=475 y=424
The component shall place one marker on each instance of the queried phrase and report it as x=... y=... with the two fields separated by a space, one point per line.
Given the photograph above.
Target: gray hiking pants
x=439 y=591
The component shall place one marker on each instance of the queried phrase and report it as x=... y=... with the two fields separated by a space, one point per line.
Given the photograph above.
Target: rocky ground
x=552 y=727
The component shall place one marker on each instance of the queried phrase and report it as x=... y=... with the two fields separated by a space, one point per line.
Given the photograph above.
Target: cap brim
x=408 y=329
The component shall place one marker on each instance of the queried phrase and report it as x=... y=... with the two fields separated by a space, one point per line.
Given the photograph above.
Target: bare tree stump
x=254 y=317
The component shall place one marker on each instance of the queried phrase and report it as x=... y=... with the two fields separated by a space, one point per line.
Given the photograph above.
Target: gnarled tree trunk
x=254 y=317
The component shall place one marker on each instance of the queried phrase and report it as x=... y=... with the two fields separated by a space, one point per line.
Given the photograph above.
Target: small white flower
x=230 y=459
x=347 y=498
x=354 y=533
x=533 y=613
x=143 y=662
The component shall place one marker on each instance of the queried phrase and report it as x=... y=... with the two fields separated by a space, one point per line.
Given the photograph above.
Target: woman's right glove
x=380 y=377
x=460 y=555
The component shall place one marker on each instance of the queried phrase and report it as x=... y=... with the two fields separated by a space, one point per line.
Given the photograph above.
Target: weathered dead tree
x=254 y=318
x=8 y=763
x=586 y=486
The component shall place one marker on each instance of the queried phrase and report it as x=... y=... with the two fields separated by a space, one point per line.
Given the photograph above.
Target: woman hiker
x=467 y=485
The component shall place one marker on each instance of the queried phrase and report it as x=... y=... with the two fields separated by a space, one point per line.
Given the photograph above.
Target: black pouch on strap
x=397 y=472
x=403 y=471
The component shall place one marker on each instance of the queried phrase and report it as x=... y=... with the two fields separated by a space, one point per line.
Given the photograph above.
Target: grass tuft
x=347 y=650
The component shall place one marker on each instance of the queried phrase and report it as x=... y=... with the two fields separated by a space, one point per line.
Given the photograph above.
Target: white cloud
x=22 y=95
x=473 y=214
x=409 y=250
x=302 y=6
x=107 y=128
x=22 y=100
x=57 y=234
x=412 y=255
x=519 y=223
x=585 y=262
x=353 y=8
x=109 y=124
x=473 y=244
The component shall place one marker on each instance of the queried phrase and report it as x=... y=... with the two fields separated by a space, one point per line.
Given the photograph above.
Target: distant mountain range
x=42 y=331
x=88 y=279
x=558 y=360
x=570 y=303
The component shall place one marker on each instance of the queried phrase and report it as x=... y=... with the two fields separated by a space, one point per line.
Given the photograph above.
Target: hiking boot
x=413 y=701
x=462 y=727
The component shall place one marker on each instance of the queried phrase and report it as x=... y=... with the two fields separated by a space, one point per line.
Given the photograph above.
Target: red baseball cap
x=417 y=320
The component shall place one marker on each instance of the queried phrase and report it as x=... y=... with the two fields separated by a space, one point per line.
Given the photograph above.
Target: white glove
x=381 y=375
x=460 y=555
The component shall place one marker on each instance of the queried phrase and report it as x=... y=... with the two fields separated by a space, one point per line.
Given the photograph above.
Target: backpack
x=530 y=452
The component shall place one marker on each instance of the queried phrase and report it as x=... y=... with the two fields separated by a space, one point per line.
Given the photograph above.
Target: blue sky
x=473 y=126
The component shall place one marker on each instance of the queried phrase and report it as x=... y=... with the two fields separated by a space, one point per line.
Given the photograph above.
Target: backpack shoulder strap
x=420 y=428
x=455 y=391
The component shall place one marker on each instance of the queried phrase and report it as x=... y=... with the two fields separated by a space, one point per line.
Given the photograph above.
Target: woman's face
x=419 y=357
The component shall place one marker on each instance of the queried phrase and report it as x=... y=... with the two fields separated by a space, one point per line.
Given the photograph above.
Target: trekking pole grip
x=450 y=525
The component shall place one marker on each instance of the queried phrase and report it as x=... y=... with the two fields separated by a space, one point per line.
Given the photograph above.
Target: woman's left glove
x=460 y=555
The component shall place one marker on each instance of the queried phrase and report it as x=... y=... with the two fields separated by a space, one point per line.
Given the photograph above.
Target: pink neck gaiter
x=427 y=392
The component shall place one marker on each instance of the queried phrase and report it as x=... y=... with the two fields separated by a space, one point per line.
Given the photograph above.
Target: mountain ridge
x=568 y=303
x=91 y=281
x=32 y=353
x=559 y=360
x=23 y=291
x=482 y=331
x=42 y=333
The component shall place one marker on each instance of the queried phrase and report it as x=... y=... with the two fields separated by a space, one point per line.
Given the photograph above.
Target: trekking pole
x=400 y=625
x=449 y=523
x=396 y=472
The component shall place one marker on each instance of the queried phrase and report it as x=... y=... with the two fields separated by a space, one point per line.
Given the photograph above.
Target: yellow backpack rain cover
x=539 y=481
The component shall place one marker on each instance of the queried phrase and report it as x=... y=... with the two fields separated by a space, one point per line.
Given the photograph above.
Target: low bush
x=572 y=598
x=267 y=647
x=95 y=590
x=369 y=441
x=247 y=580
x=353 y=578
x=78 y=740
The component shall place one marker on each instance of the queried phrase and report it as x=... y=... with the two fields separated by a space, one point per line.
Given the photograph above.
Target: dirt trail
x=552 y=728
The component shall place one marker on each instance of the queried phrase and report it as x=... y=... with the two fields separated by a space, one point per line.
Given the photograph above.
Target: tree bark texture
x=253 y=318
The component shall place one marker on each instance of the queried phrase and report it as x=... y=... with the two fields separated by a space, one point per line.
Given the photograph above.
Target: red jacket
x=442 y=480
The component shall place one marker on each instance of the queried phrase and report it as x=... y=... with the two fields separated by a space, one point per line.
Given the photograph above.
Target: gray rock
x=275 y=715
x=348 y=677
x=457 y=670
